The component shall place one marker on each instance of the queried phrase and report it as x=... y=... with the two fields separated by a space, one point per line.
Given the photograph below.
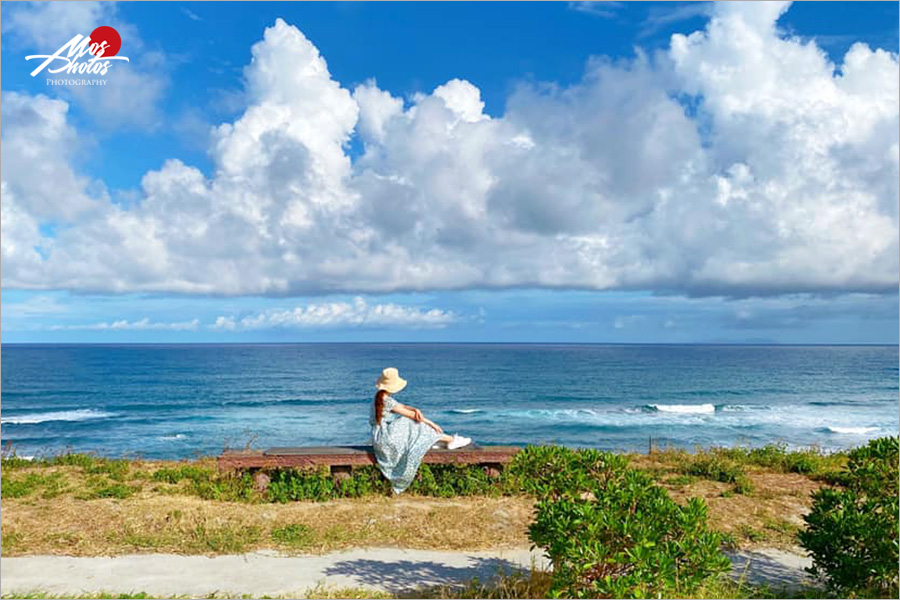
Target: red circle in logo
x=109 y=35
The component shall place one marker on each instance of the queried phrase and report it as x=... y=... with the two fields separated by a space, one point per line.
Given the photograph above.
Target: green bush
x=715 y=466
x=548 y=470
x=287 y=485
x=447 y=481
x=611 y=532
x=806 y=461
x=208 y=483
x=852 y=533
x=443 y=481
x=192 y=472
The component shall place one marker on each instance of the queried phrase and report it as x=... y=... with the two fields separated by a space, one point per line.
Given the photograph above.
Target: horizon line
x=456 y=343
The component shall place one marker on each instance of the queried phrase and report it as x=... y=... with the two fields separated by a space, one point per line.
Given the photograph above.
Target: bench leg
x=493 y=469
x=261 y=481
x=341 y=472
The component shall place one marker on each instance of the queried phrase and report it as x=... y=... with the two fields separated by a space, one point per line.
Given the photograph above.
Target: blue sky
x=556 y=75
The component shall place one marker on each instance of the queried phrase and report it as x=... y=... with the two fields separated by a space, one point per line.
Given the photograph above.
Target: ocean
x=184 y=401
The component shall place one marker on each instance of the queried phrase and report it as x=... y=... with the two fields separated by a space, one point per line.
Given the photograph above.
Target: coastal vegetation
x=851 y=531
x=654 y=523
x=611 y=532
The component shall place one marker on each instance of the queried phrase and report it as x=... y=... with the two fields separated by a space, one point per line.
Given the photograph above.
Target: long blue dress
x=400 y=444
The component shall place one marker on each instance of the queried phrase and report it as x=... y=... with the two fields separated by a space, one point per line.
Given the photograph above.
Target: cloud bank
x=144 y=324
x=737 y=162
x=337 y=314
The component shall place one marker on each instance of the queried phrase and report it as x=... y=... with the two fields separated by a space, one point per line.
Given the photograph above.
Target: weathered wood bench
x=342 y=459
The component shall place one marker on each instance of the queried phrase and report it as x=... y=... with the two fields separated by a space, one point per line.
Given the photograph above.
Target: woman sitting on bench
x=401 y=435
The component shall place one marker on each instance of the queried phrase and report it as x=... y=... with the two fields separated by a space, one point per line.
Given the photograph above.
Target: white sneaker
x=458 y=441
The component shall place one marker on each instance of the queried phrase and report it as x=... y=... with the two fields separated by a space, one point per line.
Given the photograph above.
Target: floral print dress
x=400 y=444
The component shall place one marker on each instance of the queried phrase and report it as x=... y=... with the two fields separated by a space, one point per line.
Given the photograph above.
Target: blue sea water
x=179 y=401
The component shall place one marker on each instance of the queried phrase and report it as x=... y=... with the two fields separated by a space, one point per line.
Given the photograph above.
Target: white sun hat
x=390 y=381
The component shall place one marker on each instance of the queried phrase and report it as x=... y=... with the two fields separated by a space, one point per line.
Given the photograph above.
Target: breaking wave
x=852 y=430
x=687 y=409
x=82 y=414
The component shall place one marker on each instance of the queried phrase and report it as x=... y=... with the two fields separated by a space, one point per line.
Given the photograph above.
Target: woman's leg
x=445 y=438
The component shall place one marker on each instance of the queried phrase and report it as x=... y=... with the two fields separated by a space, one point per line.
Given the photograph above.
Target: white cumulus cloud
x=144 y=324
x=736 y=162
x=357 y=313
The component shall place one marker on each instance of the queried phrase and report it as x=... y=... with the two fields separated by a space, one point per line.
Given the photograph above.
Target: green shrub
x=546 y=470
x=611 y=532
x=443 y=481
x=208 y=483
x=715 y=466
x=176 y=474
x=230 y=487
x=447 y=481
x=287 y=485
x=362 y=482
x=777 y=457
x=852 y=533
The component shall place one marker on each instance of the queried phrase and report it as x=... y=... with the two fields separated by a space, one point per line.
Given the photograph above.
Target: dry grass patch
x=770 y=516
x=149 y=522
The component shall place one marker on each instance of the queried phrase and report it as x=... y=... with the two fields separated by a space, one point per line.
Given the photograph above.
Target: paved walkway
x=270 y=574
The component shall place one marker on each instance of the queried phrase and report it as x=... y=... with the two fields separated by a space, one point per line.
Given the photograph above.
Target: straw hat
x=390 y=381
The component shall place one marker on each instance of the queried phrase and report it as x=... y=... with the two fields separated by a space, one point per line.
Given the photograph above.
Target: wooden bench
x=342 y=459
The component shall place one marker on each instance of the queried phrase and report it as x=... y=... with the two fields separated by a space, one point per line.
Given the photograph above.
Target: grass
x=728 y=464
x=87 y=505
x=151 y=522
x=294 y=535
x=747 y=491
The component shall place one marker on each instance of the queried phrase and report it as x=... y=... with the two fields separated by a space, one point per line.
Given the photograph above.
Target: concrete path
x=777 y=568
x=257 y=573
x=270 y=574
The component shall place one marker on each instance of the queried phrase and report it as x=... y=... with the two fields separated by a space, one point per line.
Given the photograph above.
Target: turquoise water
x=186 y=400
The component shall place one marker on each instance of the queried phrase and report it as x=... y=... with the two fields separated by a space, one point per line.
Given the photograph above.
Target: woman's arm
x=416 y=415
x=407 y=411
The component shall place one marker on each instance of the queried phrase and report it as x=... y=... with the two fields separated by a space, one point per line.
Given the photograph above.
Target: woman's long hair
x=379 y=404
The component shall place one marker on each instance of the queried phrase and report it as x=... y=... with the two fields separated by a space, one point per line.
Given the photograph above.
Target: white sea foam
x=465 y=411
x=82 y=414
x=688 y=409
x=177 y=436
x=742 y=407
x=852 y=430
